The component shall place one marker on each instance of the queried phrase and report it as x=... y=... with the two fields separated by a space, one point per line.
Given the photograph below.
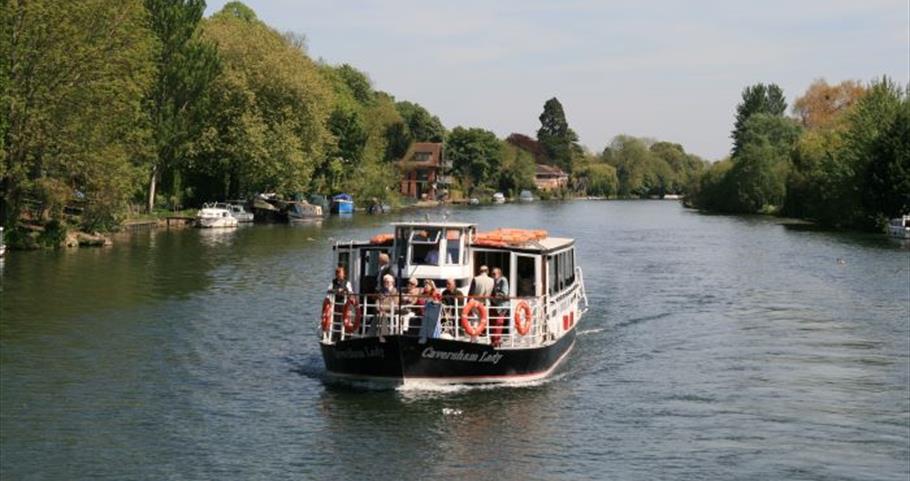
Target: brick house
x=548 y=177
x=423 y=171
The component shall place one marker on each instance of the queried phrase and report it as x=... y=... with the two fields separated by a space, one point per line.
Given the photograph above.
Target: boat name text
x=460 y=355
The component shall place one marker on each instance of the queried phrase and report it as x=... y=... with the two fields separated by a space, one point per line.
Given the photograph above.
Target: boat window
x=553 y=274
x=425 y=246
x=453 y=246
x=344 y=260
x=524 y=271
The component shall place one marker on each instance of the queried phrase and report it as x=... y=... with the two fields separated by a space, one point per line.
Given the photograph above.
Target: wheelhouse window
x=425 y=246
x=453 y=246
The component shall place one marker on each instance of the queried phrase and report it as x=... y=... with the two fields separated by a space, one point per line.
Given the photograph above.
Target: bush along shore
x=842 y=160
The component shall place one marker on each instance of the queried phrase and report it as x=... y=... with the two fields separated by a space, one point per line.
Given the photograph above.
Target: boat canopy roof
x=343 y=197
x=434 y=225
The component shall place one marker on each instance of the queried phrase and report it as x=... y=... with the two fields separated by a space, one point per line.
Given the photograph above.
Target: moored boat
x=516 y=326
x=302 y=210
x=210 y=216
x=899 y=228
x=499 y=198
x=343 y=204
x=2 y=243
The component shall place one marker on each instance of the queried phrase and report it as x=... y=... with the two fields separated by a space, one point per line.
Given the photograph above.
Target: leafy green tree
x=517 y=169
x=268 y=131
x=756 y=99
x=559 y=142
x=598 y=178
x=874 y=147
x=76 y=74
x=178 y=100
x=476 y=154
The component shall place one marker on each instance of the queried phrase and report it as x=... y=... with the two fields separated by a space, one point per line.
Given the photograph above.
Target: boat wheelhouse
x=469 y=336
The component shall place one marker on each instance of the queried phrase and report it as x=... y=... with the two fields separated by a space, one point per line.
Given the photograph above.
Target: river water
x=716 y=347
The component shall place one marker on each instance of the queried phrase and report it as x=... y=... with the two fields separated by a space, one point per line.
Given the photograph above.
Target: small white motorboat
x=498 y=198
x=210 y=216
x=526 y=196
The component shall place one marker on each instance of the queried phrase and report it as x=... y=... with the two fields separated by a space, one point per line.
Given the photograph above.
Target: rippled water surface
x=716 y=348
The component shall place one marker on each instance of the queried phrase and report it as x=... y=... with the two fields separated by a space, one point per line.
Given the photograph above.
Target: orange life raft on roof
x=508 y=237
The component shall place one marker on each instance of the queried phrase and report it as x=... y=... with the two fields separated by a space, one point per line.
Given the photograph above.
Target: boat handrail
x=392 y=319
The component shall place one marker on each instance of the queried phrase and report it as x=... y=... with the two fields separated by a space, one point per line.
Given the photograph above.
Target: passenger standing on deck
x=385 y=268
x=338 y=291
x=340 y=286
x=499 y=305
x=452 y=298
x=388 y=297
x=482 y=285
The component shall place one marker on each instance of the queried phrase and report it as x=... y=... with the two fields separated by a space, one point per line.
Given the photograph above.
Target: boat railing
x=356 y=316
x=382 y=316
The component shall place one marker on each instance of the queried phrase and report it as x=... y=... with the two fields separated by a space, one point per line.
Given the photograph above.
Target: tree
x=517 y=169
x=475 y=153
x=268 y=130
x=757 y=99
x=417 y=125
x=529 y=145
x=74 y=126
x=185 y=69
x=887 y=180
x=559 y=142
x=823 y=105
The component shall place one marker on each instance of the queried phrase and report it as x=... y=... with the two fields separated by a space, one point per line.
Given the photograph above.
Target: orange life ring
x=470 y=329
x=522 y=326
x=327 y=314
x=349 y=326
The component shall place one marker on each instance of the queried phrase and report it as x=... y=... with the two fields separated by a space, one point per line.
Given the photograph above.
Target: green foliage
x=476 y=155
x=76 y=74
x=417 y=125
x=757 y=99
x=178 y=100
x=559 y=142
x=851 y=168
x=640 y=171
x=598 y=179
x=516 y=171
x=267 y=130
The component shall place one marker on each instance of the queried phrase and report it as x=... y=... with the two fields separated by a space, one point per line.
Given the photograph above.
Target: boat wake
x=591 y=331
x=414 y=390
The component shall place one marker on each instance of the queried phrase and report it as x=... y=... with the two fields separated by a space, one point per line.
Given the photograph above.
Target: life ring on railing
x=565 y=322
x=327 y=314
x=349 y=326
x=470 y=329
x=522 y=326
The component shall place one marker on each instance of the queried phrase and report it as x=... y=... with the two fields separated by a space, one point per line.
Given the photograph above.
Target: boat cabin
x=534 y=263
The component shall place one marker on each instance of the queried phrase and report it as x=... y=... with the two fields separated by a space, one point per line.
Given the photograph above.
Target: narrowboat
x=516 y=326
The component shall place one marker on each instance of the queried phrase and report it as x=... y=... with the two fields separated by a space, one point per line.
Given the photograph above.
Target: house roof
x=433 y=148
x=544 y=170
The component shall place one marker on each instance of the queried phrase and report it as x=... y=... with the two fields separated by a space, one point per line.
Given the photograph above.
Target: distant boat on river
x=343 y=204
x=899 y=228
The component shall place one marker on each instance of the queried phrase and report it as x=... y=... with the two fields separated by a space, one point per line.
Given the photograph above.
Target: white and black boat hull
x=401 y=359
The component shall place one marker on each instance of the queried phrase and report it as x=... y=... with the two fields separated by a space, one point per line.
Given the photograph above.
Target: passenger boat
x=519 y=335
x=899 y=228
x=210 y=216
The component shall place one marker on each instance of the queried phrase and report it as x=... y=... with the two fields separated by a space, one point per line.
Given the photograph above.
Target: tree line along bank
x=115 y=110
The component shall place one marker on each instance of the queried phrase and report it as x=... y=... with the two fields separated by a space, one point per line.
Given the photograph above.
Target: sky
x=670 y=70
